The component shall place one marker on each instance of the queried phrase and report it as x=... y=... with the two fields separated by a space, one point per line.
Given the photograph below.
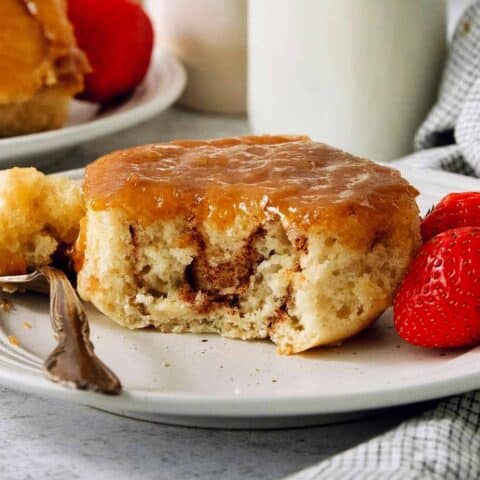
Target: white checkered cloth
x=443 y=443
x=449 y=138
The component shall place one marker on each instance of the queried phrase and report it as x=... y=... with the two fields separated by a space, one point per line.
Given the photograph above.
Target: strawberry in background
x=117 y=37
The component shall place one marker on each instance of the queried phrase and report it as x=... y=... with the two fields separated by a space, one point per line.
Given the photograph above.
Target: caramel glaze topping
x=304 y=183
x=37 y=49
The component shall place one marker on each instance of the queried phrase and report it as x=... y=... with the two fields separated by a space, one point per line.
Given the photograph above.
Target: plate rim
x=172 y=403
x=258 y=406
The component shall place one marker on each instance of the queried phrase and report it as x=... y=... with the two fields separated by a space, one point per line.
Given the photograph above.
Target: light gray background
x=43 y=439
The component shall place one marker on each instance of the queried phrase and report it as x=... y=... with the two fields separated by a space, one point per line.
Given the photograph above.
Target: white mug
x=358 y=74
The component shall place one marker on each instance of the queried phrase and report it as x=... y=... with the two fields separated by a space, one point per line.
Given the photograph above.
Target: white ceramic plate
x=206 y=380
x=163 y=84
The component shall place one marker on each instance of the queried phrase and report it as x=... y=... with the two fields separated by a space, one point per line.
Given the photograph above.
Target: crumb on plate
x=6 y=305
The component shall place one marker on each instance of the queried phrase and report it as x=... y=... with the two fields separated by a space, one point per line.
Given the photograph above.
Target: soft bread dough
x=261 y=274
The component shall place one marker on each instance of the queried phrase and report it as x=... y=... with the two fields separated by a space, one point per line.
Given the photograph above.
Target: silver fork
x=73 y=362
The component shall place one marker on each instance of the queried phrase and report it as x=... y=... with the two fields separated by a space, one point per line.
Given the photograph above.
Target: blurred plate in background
x=163 y=84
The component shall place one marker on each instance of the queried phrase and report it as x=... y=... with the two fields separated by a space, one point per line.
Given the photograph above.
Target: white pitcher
x=358 y=74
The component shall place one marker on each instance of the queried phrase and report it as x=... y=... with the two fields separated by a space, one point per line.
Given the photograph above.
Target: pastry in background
x=41 y=66
x=251 y=237
x=39 y=217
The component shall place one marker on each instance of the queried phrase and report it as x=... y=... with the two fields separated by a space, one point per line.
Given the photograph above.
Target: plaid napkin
x=442 y=443
x=449 y=139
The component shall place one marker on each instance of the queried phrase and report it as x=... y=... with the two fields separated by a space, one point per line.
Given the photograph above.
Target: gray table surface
x=45 y=439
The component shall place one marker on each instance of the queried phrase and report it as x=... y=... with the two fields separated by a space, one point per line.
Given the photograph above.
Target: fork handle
x=73 y=362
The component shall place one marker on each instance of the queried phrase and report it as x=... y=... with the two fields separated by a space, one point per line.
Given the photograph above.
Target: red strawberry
x=438 y=303
x=117 y=37
x=454 y=210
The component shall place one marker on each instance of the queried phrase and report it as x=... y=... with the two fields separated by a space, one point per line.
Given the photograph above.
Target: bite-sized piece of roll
x=41 y=67
x=39 y=216
x=254 y=237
